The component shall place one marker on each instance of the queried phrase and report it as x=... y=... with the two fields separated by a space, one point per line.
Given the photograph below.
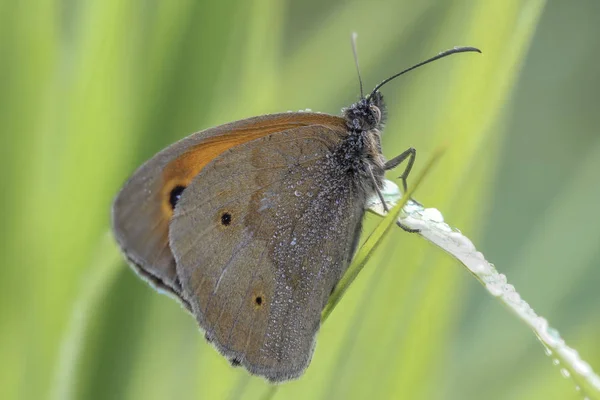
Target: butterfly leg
x=406 y=228
x=385 y=208
x=411 y=154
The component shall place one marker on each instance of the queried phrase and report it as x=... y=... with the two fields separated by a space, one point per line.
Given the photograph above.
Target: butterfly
x=251 y=224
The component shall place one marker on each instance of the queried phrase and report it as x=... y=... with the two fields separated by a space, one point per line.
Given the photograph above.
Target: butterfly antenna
x=353 y=39
x=440 y=55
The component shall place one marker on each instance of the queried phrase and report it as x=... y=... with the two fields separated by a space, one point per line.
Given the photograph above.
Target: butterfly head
x=366 y=114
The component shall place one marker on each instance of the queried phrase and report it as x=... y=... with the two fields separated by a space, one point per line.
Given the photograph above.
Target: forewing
x=142 y=210
x=261 y=237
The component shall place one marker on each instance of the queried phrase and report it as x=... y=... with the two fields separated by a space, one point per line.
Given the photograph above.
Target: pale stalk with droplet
x=431 y=226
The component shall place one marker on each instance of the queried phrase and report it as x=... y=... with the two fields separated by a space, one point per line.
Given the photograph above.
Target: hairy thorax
x=362 y=147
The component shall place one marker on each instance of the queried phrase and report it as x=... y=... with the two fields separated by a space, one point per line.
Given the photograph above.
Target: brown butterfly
x=251 y=224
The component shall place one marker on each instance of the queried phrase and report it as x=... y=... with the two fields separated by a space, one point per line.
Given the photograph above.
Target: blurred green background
x=91 y=89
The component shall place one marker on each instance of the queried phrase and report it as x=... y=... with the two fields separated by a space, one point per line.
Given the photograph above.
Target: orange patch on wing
x=183 y=169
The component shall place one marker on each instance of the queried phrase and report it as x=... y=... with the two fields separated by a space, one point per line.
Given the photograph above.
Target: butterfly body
x=251 y=224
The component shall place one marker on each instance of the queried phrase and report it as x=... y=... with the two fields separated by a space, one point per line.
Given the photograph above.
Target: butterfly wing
x=260 y=237
x=143 y=208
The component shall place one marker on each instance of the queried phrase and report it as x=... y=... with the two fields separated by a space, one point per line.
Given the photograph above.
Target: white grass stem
x=432 y=227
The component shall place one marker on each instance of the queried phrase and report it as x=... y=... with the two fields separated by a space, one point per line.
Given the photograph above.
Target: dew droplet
x=494 y=289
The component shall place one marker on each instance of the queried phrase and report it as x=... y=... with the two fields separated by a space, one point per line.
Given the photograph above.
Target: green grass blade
x=97 y=280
